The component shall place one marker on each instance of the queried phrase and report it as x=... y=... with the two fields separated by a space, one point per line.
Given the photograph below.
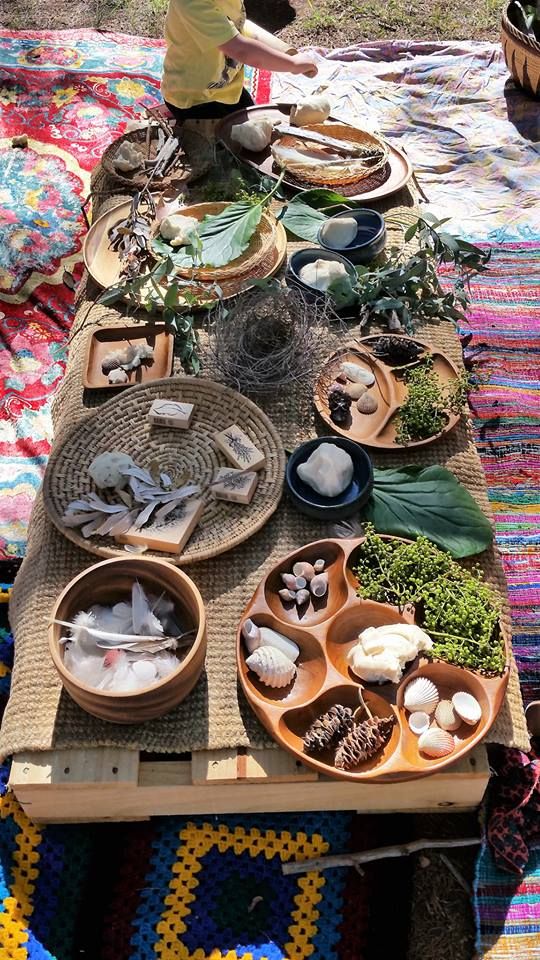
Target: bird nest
x=269 y=339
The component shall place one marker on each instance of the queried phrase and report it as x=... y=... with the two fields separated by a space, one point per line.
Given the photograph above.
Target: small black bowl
x=301 y=258
x=311 y=503
x=370 y=235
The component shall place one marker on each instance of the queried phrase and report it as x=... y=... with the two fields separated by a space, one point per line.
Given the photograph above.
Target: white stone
x=328 y=471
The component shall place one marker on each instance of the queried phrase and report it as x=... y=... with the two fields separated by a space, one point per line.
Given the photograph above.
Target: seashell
x=251 y=634
x=446 y=716
x=287 y=595
x=367 y=404
x=302 y=597
x=272 y=667
x=355 y=390
x=421 y=694
x=304 y=569
x=436 y=742
x=301 y=583
x=319 y=566
x=467 y=707
x=357 y=373
x=319 y=585
x=289 y=580
x=271 y=638
x=419 y=722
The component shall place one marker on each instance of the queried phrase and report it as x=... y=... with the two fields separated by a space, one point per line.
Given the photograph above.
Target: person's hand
x=301 y=63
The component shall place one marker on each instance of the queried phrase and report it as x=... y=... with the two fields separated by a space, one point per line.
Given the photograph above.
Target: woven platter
x=349 y=172
x=122 y=424
x=260 y=246
x=104 y=266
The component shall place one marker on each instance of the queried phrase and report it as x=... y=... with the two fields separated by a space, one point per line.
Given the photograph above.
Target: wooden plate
x=103 y=264
x=325 y=633
x=381 y=184
x=378 y=429
x=115 y=338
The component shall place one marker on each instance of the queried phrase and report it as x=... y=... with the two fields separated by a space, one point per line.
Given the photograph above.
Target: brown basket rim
x=309 y=173
x=180 y=175
x=527 y=42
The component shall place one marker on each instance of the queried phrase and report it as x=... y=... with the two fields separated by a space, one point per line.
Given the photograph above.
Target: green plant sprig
x=424 y=412
x=459 y=611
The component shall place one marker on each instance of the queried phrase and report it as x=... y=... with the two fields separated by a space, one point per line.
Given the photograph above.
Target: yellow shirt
x=195 y=70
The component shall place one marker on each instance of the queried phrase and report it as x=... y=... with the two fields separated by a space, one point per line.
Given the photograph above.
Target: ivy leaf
x=428 y=501
x=303 y=221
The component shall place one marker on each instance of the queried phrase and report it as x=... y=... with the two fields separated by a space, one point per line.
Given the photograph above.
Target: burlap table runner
x=40 y=715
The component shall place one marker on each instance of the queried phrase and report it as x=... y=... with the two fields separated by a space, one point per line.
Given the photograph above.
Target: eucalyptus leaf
x=302 y=221
x=428 y=501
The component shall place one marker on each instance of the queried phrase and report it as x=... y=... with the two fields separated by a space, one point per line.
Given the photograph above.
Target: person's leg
x=212 y=110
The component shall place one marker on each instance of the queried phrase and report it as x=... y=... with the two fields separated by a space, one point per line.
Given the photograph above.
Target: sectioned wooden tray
x=116 y=338
x=378 y=429
x=383 y=183
x=325 y=633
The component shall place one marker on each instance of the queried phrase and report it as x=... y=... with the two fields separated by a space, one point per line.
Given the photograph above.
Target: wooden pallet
x=118 y=784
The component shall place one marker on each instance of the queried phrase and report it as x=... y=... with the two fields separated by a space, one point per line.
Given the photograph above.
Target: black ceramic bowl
x=311 y=503
x=370 y=236
x=301 y=258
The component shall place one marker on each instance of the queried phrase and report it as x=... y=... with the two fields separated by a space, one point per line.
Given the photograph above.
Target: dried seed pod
x=367 y=404
x=287 y=595
x=327 y=730
x=319 y=585
x=339 y=404
x=319 y=566
x=301 y=583
x=363 y=742
x=302 y=597
x=304 y=569
x=289 y=581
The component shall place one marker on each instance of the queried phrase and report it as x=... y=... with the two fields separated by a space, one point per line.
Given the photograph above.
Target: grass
x=302 y=22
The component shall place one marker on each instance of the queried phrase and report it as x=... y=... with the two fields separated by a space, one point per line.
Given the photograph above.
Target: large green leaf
x=303 y=221
x=224 y=237
x=428 y=501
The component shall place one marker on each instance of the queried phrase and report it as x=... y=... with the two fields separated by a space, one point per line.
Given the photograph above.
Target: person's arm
x=257 y=54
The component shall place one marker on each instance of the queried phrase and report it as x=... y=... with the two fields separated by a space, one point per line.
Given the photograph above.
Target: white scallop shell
x=446 y=716
x=418 y=722
x=421 y=695
x=272 y=667
x=467 y=707
x=436 y=742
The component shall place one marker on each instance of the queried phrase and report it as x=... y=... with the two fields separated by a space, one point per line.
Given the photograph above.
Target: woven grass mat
x=40 y=716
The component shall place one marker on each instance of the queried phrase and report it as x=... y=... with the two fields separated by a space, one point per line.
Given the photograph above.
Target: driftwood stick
x=380 y=853
x=457 y=874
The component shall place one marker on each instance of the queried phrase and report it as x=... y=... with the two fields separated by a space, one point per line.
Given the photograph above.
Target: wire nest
x=270 y=338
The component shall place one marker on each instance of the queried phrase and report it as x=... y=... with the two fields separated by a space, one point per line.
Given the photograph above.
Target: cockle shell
x=436 y=743
x=446 y=716
x=319 y=585
x=367 y=404
x=357 y=373
x=421 y=695
x=304 y=570
x=272 y=666
x=467 y=707
x=418 y=722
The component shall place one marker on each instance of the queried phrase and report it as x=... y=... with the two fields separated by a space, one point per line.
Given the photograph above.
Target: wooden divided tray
x=116 y=338
x=395 y=175
x=325 y=631
x=378 y=429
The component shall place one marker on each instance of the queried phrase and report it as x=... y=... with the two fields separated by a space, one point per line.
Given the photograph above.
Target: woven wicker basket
x=324 y=174
x=260 y=245
x=196 y=160
x=522 y=55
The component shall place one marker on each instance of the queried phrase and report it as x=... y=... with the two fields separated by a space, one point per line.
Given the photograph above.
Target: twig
x=380 y=853
x=457 y=874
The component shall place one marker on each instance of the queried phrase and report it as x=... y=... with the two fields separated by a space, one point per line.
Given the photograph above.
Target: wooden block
x=168 y=537
x=171 y=413
x=239 y=449
x=234 y=485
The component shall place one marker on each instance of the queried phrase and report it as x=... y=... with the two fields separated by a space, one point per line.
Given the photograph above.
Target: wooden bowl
x=325 y=630
x=107 y=583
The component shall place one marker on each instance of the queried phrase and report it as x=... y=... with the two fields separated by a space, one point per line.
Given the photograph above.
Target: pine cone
x=363 y=742
x=339 y=404
x=329 y=729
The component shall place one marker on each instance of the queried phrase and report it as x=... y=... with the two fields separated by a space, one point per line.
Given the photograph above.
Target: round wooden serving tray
x=104 y=267
x=325 y=633
x=378 y=429
x=122 y=424
x=396 y=173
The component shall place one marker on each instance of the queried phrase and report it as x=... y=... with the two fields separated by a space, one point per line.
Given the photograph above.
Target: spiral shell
x=302 y=597
x=251 y=635
x=287 y=595
x=272 y=667
x=319 y=585
x=467 y=707
x=289 y=580
x=271 y=638
x=421 y=695
x=319 y=566
x=436 y=743
x=446 y=716
x=304 y=569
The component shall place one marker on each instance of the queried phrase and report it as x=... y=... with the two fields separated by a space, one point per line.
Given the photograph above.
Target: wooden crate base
x=68 y=786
